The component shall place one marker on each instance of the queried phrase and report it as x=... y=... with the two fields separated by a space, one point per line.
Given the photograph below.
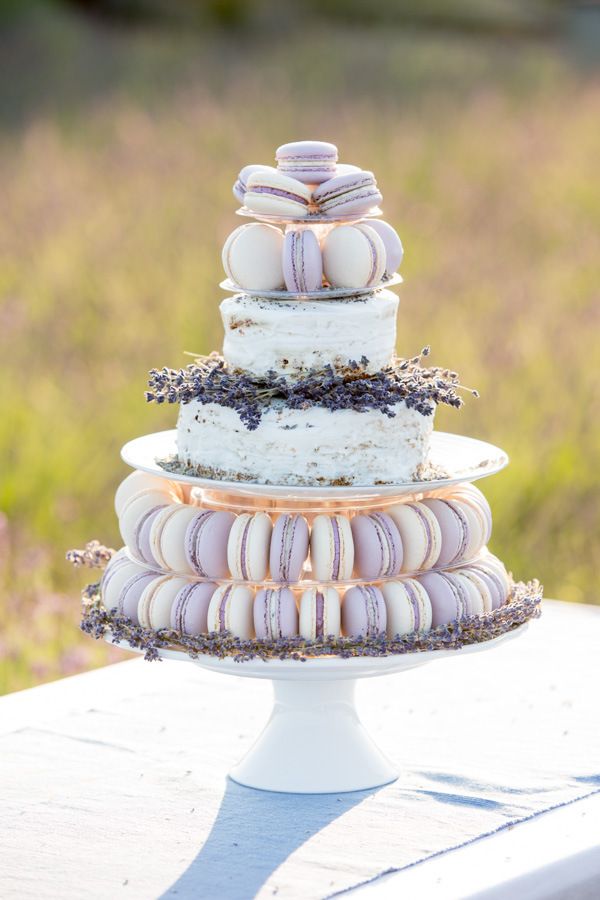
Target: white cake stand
x=314 y=741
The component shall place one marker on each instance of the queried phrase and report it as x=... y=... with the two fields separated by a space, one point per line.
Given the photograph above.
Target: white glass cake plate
x=329 y=293
x=311 y=219
x=314 y=741
x=461 y=458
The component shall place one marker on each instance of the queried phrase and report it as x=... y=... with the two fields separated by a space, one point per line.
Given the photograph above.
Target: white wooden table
x=113 y=783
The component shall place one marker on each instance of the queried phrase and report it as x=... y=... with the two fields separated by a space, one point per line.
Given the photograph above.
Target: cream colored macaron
x=156 y=602
x=331 y=548
x=167 y=537
x=139 y=482
x=408 y=607
x=420 y=533
x=231 y=608
x=320 y=613
x=249 y=545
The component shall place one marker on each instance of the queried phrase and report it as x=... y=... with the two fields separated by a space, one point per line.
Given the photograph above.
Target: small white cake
x=314 y=446
x=289 y=337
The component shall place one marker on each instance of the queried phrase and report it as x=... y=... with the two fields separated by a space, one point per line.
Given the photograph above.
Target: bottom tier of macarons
x=157 y=600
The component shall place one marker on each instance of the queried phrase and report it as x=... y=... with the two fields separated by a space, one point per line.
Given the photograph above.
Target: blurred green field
x=117 y=154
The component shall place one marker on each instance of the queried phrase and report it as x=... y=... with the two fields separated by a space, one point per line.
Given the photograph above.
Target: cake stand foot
x=314 y=743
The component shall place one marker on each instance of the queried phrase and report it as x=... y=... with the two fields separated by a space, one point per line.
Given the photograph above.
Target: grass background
x=118 y=148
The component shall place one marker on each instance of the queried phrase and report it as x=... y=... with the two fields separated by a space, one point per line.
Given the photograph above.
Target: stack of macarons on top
x=166 y=532
x=355 y=257
x=308 y=181
x=156 y=601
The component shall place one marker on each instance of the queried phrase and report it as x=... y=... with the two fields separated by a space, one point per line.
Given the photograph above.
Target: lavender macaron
x=454 y=526
x=131 y=592
x=363 y=612
x=190 y=607
x=275 y=613
x=377 y=546
x=206 y=540
x=310 y=162
x=392 y=243
x=353 y=194
x=302 y=261
x=448 y=603
x=289 y=548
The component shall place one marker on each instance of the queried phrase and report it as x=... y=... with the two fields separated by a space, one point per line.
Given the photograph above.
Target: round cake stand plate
x=314 y=741
x=460 y=457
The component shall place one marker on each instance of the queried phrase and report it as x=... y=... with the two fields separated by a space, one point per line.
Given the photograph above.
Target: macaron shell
x=475 y=605
x=482 y=585
x=454 y=528
x=420 y=534
x=154 y=604
x=289 y=548
x=249 y=545
x=189 y=610
x=275 y=613
x=241 y=182
x=350 y=194
x=392 y=243
x=377 y=546
x=353 y=257
x=477 y=528
x=167 y=538
x=272 y=193
x=131 y=592
x=143 y=544
x=320 y=613
x=252 y=257
x=331 y=548
x=408 y=607
x=138 y=482
x=114 y=580
x=133 y=510
x=205 y=542
x=446 y=603
x=363 y=612
x=311 y=162
x=302 y=261
x=231 y=609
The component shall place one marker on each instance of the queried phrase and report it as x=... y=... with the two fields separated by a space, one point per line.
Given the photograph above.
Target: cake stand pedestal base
x=314 y=743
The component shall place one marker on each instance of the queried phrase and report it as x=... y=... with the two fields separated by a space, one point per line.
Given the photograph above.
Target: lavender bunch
x=94 y=556
x=209 y=380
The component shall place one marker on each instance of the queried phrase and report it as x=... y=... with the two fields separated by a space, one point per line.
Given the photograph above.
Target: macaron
x=363 y=611
x=131 y=591
x=454 y=526
x=134 y=514
x=231 y=609
x=447 y=599
x=302 y=261
x=407 y=605
x=252 y=257
x=118 y=572
x=377 y=546
x=352 y=194
x=275 y=613
x=484 y=587
x=495 y=573
x=473 y=497
x=274 y=194
x=248 y=546
x=392 y=243
x=289 y=548
x=156 y=601
x=472 y=595
x=241 y=183
x=206 y=540
x=189 y=610
x=311 y=162
x=331 y=548
x=167 y=537
x=353 y=257
x=138 y=482
x=320 y=613
x=420 y=534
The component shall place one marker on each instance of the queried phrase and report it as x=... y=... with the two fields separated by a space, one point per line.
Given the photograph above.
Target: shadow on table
x=253 y=834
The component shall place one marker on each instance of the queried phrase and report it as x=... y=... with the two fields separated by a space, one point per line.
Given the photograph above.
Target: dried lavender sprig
x=209 y=380
x=94 y=556
x=523 y=605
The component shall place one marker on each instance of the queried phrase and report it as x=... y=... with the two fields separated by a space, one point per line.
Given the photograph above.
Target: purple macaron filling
x=223 y=608
x=335 y=567
x=194 y=536
x=277 y=192
x=243 y=563
x=427 y=527
x=385 y=531
x=319 y=614
x=414 y=602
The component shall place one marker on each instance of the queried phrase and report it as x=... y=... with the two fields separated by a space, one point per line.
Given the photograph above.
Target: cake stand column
x=314 y=742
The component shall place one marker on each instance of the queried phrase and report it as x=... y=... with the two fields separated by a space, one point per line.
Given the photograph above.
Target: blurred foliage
x=117 y=154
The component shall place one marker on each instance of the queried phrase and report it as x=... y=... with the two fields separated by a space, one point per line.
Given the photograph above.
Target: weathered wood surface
x=114 y=783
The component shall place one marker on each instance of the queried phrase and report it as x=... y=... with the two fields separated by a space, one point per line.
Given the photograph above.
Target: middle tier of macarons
x=405 y=537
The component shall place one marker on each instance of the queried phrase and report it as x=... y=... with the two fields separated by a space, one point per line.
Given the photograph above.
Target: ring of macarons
x=359 y=256
x=165 y=532
x=156 y=600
